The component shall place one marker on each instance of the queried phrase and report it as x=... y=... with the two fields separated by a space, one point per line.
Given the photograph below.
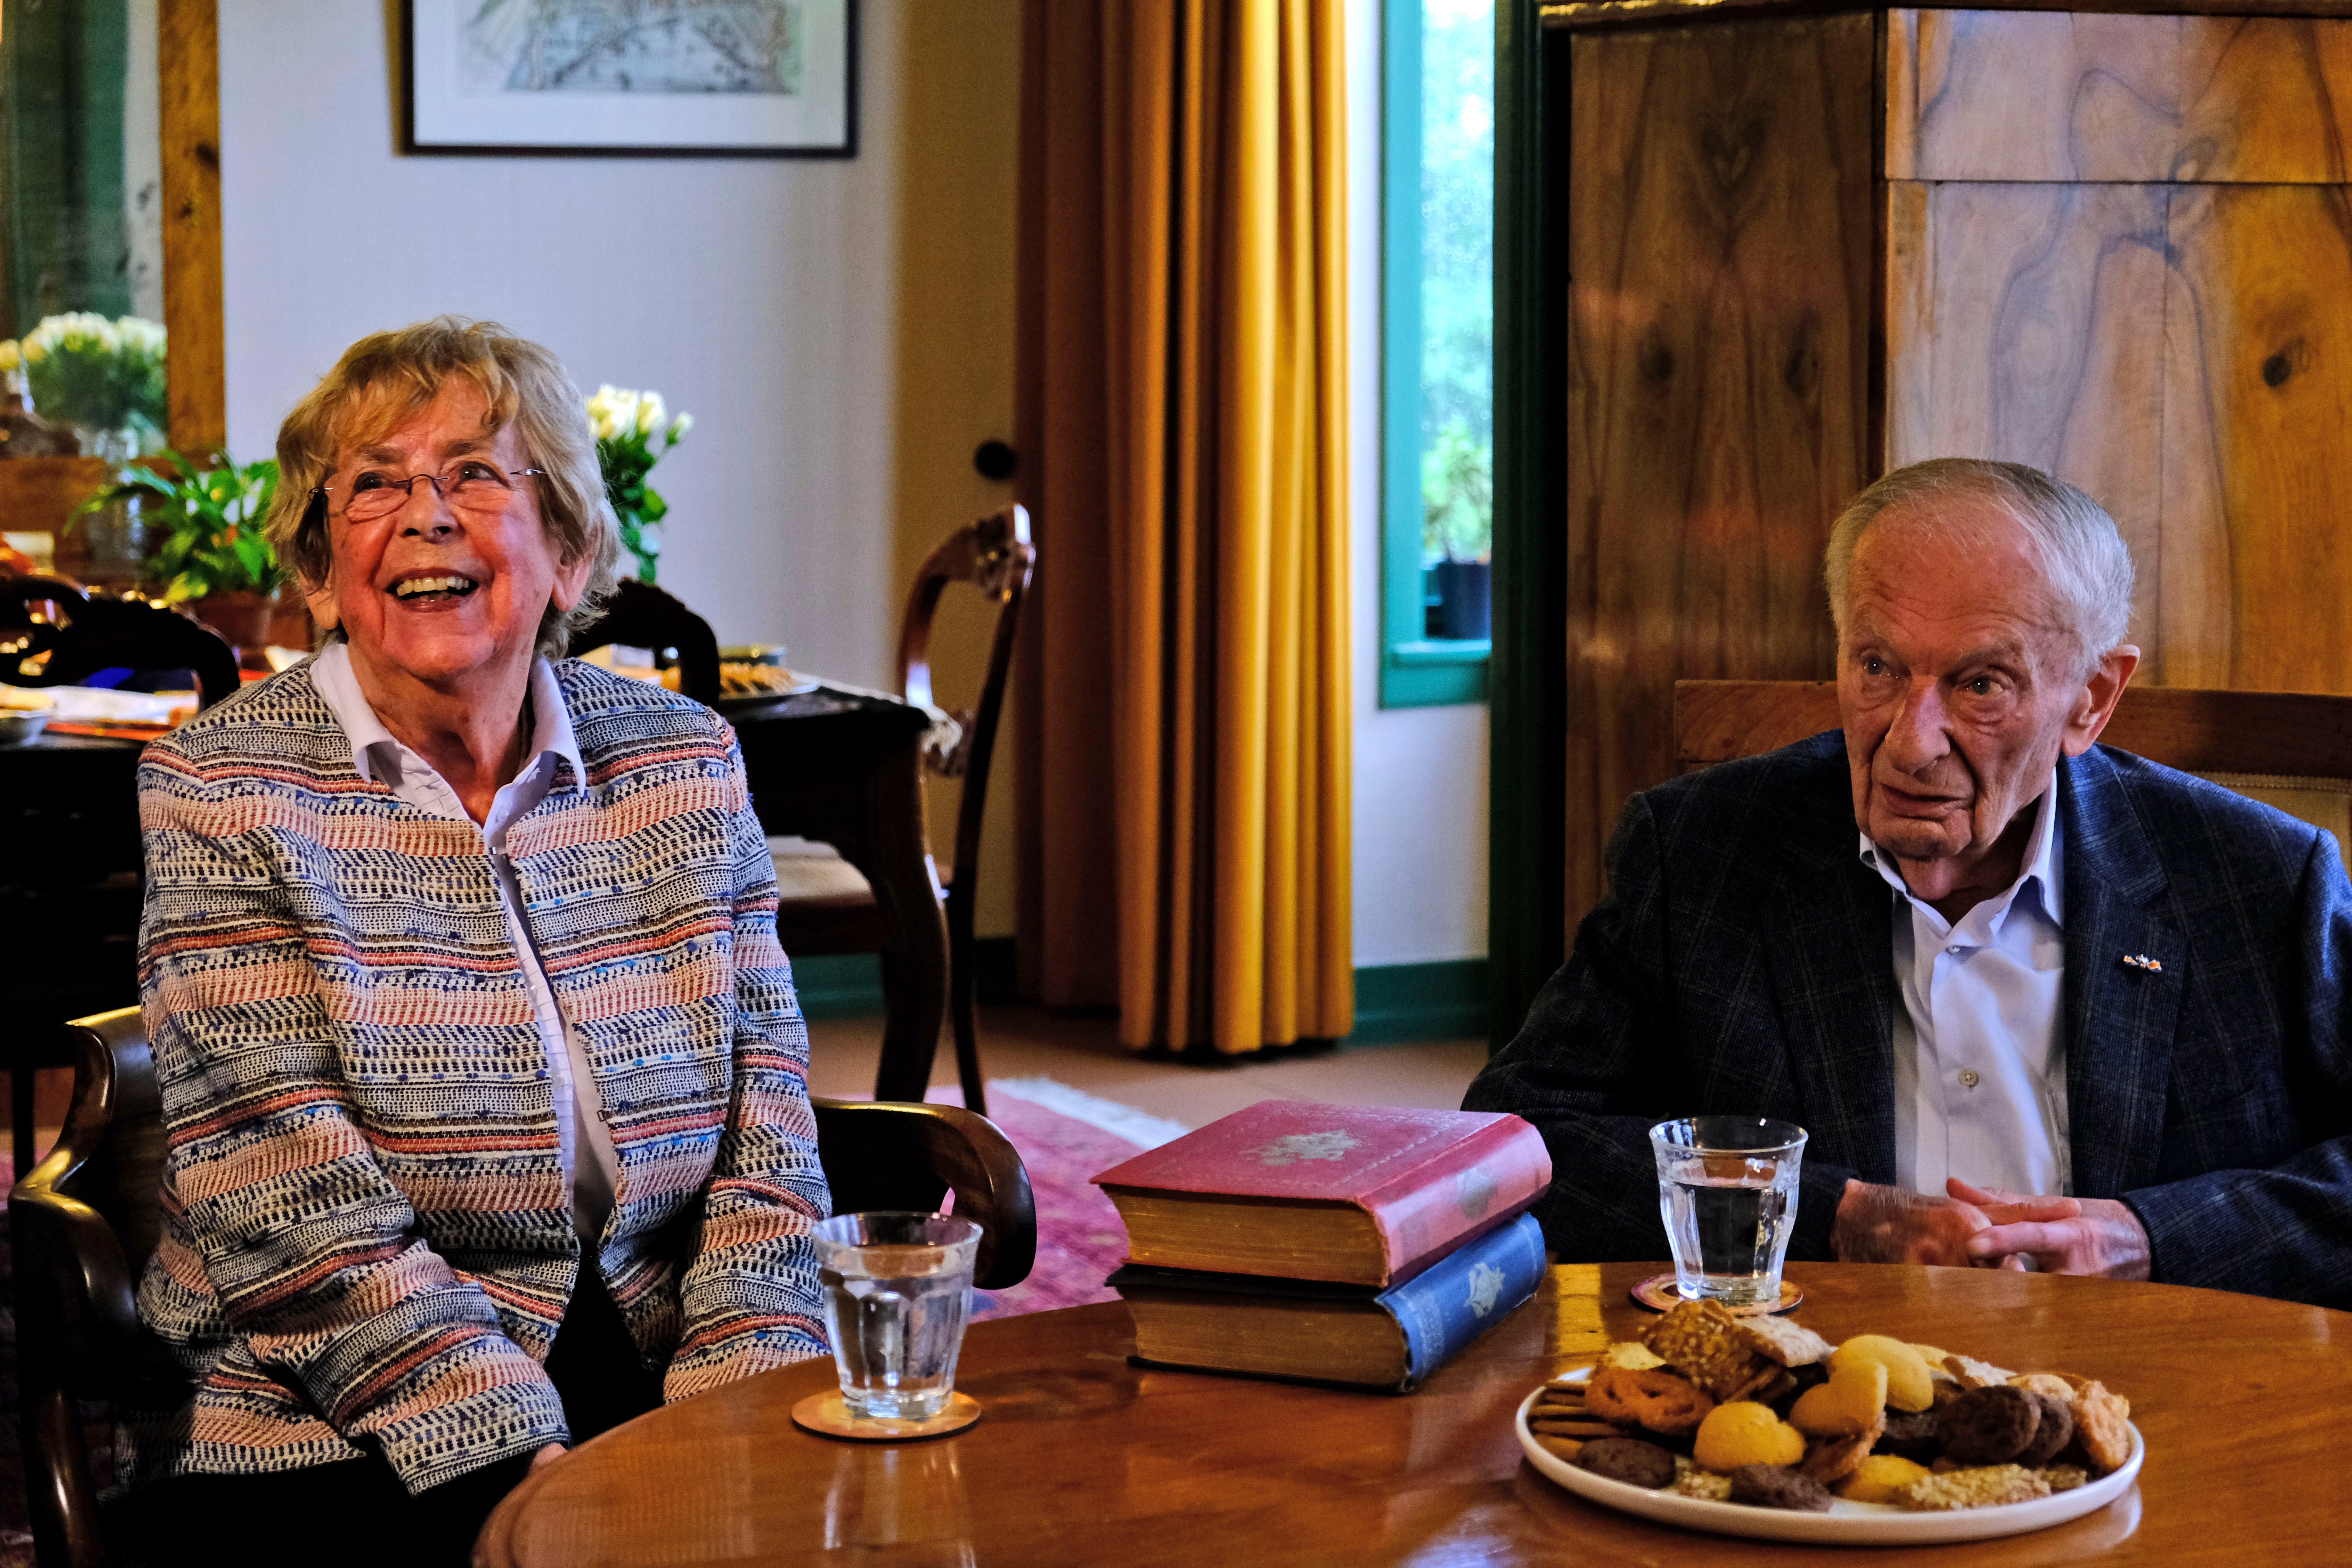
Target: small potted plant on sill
x=1457 y=500
x=211 y=554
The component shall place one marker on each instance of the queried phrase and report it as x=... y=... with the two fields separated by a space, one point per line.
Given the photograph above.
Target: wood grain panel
x=1721 y=216
x=2258 y=397
x=2014 y=95
x=2203 y=731
x=2026 y=322
x=40 y=493
x=2264 y=100
x=196 y=375
x=2011 y=95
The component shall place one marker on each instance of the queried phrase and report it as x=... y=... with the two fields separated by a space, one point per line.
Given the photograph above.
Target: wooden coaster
x=828 y=1417
x=1658 y=1294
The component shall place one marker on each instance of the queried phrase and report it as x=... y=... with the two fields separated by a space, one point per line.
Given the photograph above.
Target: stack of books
x=1356 y=1245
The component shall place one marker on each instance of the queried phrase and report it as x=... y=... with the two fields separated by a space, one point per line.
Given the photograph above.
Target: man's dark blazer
x=1742 y=965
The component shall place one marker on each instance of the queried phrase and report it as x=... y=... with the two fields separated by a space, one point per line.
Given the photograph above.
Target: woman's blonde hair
x=384 y=378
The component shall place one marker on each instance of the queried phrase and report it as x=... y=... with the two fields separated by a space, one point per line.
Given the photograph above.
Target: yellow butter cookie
x=1879 y=1478
x=1908 y=1385
x=1743 y=1433
x=1853 y=1400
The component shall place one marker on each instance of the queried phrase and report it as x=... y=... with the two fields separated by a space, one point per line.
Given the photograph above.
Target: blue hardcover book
x=1322 y=1333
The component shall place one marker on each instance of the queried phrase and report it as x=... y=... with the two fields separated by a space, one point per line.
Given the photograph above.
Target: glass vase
x=115 y=448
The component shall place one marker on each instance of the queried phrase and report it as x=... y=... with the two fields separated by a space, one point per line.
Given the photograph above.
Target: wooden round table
x=1083 y=1458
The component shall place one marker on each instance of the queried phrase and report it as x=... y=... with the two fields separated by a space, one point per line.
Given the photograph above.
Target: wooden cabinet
x=1799 y=247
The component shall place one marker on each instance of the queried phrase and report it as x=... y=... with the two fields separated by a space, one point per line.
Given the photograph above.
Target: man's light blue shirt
x=1979 y=1058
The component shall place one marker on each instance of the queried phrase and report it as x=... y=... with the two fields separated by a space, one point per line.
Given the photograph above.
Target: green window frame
x=1416 y=670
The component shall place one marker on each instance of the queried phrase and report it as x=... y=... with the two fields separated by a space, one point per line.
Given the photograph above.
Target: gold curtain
x=1184 y=705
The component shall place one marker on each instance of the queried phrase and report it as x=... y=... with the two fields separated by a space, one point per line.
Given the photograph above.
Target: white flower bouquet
x=103 y=375
x=634 y=431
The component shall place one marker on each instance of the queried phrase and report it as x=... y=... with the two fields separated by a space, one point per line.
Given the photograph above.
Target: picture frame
x=774 y=79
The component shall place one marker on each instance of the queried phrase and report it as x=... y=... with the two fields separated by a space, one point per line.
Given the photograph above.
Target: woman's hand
x=547 y=1455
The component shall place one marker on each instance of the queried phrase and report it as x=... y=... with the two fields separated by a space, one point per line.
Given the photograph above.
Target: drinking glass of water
x=897 y=1293
x=1728 y=1191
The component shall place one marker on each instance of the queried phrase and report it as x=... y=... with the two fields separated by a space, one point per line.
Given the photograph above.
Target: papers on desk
x=96 y=711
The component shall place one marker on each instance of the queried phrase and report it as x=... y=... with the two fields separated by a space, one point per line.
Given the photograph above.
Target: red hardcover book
x=1361 y=1194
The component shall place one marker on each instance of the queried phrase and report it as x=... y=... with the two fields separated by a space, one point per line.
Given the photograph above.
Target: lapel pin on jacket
x=2142 y=961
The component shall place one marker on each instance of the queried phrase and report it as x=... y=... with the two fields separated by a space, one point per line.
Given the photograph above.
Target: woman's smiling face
x=444 y=594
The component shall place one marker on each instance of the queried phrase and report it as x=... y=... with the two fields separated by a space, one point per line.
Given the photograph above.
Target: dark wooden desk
x=848 y=771
x=1082 y=1458
x=68 y=900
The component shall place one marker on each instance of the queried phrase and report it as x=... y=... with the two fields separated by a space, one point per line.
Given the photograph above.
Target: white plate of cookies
x=1762 y=1428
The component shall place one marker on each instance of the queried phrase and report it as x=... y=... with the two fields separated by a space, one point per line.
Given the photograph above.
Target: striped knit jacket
x=367 y=1233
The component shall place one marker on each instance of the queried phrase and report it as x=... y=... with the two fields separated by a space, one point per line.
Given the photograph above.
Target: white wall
x=756 y=293
x=1420 y=772
x=766 y=297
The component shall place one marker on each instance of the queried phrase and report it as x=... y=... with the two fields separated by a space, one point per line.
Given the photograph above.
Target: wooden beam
x=197 y=376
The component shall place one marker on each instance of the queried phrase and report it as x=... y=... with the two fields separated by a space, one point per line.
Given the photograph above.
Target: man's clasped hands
x=1989 y=1229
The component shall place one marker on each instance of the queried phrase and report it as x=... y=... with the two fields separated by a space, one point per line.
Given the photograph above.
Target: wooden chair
x=99 y=632
x=2288 y=749
x=827 y=906
x=85 y=1222
x=639 y=614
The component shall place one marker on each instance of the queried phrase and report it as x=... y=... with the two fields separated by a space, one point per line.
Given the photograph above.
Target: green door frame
x=1528 y=677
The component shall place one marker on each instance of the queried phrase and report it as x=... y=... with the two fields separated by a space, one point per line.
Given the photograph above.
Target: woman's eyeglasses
x=471 y=486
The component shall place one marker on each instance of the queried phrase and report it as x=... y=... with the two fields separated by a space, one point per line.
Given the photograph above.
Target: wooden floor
x=1085 y=1053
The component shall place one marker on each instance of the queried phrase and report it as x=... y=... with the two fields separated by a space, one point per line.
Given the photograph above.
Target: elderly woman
x=482 y=1068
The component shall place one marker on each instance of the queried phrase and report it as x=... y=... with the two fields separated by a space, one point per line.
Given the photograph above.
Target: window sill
x=1433 y=674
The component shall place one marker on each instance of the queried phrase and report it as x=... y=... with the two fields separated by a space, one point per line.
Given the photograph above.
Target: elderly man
x=2051 y=1002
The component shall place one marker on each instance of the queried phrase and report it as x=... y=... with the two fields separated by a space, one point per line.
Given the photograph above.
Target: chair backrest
x=890 y=1154
x=995 y=556
x=638 y=615
x=88 y=1218
x=99 y=632
x=2288 y=749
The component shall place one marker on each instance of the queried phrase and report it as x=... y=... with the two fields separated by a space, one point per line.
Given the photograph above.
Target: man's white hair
x=2083 y=557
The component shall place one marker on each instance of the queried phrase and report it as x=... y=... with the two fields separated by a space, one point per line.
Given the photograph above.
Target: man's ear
x=2095 y=703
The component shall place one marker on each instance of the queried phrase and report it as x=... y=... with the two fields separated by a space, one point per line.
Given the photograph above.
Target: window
x=1438 y=336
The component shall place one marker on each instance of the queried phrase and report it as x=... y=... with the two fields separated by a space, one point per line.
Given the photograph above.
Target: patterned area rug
x=1065 y=1137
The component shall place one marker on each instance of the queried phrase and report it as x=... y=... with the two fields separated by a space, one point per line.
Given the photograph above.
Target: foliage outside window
x=1438 y=427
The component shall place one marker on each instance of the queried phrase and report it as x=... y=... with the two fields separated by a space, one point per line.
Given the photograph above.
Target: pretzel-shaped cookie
x=1656 y=1401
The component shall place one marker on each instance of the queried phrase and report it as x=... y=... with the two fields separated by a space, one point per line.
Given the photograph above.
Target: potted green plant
x=212 y=555
x=634 y=431
x=1457 y=497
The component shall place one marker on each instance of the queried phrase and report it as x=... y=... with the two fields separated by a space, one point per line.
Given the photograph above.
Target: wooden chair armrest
x=70 y=1271
x=896 y=1155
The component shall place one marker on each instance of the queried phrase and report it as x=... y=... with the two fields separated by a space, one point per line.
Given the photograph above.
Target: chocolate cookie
x=1988 y=1425
x=1629 y=1460
x=2051 y=1437
x=1774 y=1486
x=1913 y=1436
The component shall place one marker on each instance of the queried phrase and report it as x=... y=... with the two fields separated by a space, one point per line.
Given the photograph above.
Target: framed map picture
x=777 y=77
